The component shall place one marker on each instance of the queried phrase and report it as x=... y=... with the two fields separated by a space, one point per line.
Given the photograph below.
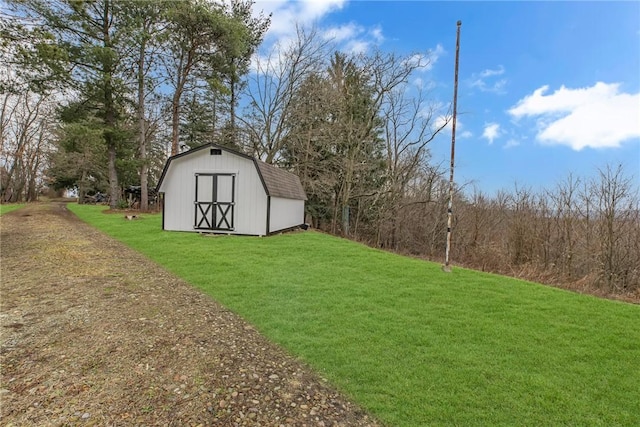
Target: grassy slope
x=412 y=344
x=8 y=208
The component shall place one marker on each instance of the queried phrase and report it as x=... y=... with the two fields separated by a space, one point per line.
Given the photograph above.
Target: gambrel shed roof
x=280 y=183
x=276 y=182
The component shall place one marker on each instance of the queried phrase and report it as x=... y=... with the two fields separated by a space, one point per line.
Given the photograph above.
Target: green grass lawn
x=4 y=208
x=413 y=345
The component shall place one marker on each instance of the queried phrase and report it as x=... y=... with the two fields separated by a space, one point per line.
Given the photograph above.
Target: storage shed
x=215 y=189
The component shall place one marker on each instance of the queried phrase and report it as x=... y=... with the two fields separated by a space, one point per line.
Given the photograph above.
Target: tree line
x=96 y=94
x=583 y=233
x=127 y=75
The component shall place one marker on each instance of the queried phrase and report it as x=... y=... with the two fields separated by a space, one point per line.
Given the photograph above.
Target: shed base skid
x=212 y=233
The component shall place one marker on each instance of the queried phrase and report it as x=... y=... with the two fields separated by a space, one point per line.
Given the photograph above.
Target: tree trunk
x=34 y=165
x=32 y=194
x=18 y=182
x=334 y=217
x=82 y=188
x=345 y=219
x=114 y=191
x=175 y=122
x=233 y=137
x=183 y=73
x=346 y=195
x=110 y=113
x=142 y=131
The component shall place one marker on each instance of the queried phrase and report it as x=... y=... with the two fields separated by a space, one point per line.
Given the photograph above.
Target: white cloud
x=343 y=32
x=437 y=53
x=357 y=46
x=442 y=121
x=461 y=132
x=511 y=143
x=491 y=132
x=425 y=62
x=377 y=35
x=420 y=83
x=418 y=60
x=354 y=38
x=488 y=72
x=598 y=116
x=288 y=17
x=486 y=80
x=286 y=14
x=497 y=87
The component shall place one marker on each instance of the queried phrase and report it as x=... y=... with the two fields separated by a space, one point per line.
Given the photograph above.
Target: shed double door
x=215 y=201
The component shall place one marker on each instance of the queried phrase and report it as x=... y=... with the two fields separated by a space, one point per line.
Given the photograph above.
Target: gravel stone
x=97 y=334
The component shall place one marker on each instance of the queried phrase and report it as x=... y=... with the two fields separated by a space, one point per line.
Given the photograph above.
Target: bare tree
x=366 y=83
x=618 y=218
x=564 y=207
x=26 y=128
x=272 y=88
x=409 y=126
x=586 y=209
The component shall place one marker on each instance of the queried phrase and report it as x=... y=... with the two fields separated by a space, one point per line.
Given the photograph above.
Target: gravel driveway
x=93 y=333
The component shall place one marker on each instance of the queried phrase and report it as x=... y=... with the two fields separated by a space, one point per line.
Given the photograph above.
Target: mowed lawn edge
x=413 y=345
x=6 y=208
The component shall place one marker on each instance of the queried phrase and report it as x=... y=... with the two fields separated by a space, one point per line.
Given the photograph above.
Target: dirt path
x=93 y=333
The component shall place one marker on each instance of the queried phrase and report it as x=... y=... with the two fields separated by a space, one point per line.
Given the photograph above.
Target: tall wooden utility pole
x=446 y=267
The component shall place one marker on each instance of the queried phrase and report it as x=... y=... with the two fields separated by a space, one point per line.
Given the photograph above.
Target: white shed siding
x=179 y=188
x=285 y=213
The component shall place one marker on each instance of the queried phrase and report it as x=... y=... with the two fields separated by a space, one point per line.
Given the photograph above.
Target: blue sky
x=545 y=88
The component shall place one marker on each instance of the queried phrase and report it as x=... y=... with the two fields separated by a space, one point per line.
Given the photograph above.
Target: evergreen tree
x=80 y=51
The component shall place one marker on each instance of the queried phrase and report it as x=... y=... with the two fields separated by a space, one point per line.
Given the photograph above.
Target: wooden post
x=446 y=267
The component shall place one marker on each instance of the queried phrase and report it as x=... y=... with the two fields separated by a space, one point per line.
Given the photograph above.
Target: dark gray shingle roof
x=281 y=183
